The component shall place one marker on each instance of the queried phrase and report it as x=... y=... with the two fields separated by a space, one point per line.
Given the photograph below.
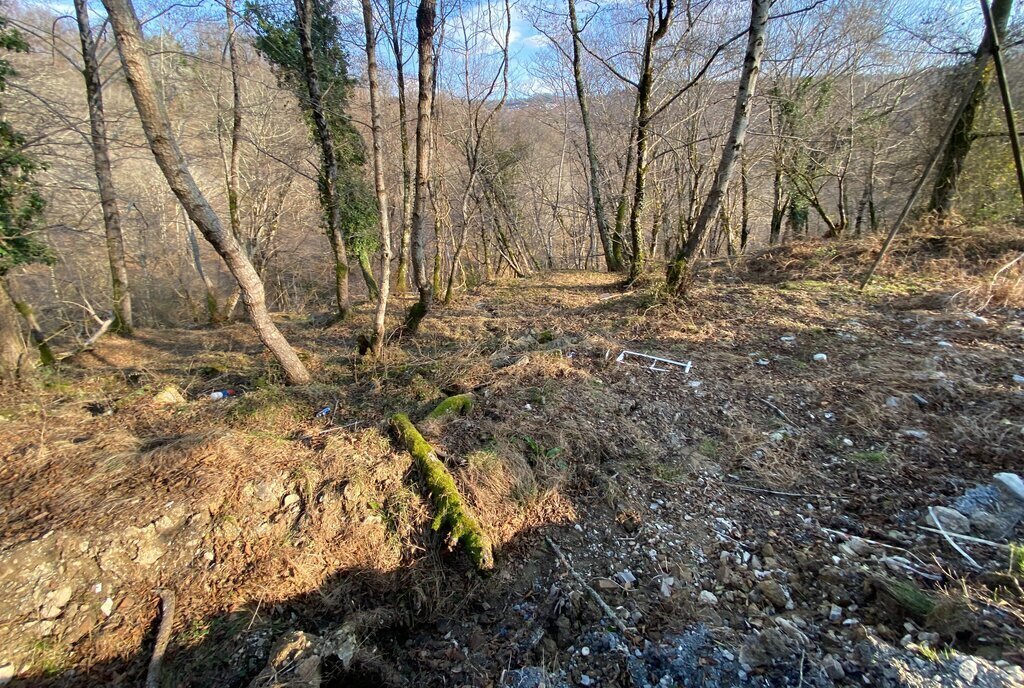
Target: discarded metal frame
x=654 y=361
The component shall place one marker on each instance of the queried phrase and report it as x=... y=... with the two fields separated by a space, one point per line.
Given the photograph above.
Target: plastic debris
x=322 y=413
x=223 y=394
x=820 y=358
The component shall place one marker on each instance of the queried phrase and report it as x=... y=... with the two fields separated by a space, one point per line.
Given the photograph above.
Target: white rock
x=819 y=358
x=707 y=598
x=6 y=674
x=1010 y=483
x=1019 y=379
x=107 y=607
x=847 y=442
x=585 y=651
x=968 y=670
x=915 y=434
x=944 y=344
x=290 y=499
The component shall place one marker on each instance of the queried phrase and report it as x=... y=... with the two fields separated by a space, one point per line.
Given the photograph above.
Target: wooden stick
x=163 y=638
x=748 y=488
x=775 y=408
x=967 y=538
x=965 y=555
x=609 y=612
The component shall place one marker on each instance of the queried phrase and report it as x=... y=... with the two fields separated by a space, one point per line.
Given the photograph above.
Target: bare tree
x=659 y=18
x=122 y=297
x=680 y=271
x=171 y=161
x=611 y=258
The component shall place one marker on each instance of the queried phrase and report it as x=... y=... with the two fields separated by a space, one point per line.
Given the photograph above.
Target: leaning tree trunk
x=944 y=193
x=425 y=16
x=171 y=161
x=101 y=164
x=328 y=159
x=611 y=259
x=378 y=180
x=679 y=272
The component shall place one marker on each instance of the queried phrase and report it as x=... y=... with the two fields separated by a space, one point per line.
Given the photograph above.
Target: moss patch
x=455 y=405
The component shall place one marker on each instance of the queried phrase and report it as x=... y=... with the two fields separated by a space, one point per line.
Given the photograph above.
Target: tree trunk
x=944 y=192
x=14 y=360
x=372 y=290
x=378 y=177
x=122 y=297
x=657 y=27
x=234 y=214
x=328 y=159
x=169 y=157
x=679 y=273
x=622 y=208
x=401 y=274
x=425 y=16
x=744 y=203
x=212 y=310
x=612 y=261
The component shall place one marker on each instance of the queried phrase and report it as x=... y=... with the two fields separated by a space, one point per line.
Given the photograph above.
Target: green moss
x=873 y=456
x=452 y=514
x=455 y=405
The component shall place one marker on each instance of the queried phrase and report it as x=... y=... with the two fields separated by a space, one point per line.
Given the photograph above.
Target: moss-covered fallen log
x=454 y=405
x=452 y=515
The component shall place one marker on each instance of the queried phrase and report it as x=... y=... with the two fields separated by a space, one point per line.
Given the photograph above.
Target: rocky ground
x=771 y=515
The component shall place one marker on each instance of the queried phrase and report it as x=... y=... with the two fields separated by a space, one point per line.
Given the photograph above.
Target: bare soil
x=729 y=493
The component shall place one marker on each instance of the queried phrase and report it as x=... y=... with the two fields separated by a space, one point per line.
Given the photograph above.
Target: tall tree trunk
x=612 y=261
x=657 y=27
x=951 y=165
x=171 y=161
x=328 y=159
x=377 y=133
x=425 y=16
x=395 y=36
x=679 y=272
x=101 y=164
x=234 y=151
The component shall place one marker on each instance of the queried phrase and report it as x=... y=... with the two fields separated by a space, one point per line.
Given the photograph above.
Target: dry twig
x=609 y=612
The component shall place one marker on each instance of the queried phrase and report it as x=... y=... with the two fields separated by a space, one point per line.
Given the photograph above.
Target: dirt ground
x=754 y=519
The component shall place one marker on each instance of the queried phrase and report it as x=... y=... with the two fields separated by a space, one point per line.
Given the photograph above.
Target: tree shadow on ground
x=230 y=648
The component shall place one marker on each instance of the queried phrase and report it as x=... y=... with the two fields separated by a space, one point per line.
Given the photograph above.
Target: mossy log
x=452 y=406
x=452 y=513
